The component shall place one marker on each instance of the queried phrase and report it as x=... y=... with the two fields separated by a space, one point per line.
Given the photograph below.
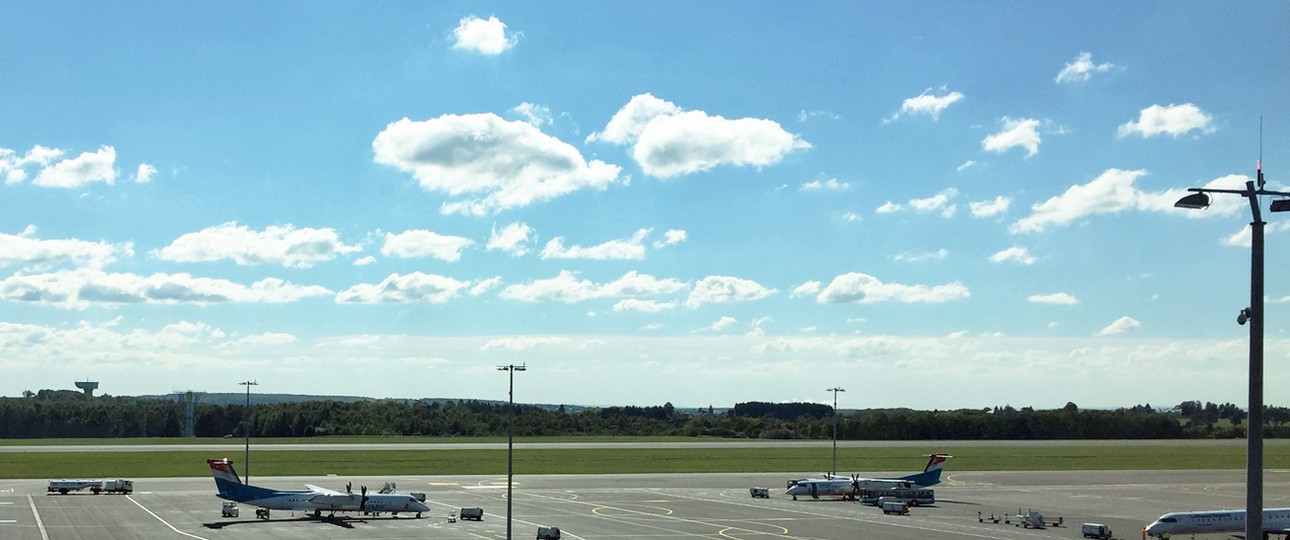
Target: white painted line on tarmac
x=163 y=522
x=8 y=521
x=44 y=535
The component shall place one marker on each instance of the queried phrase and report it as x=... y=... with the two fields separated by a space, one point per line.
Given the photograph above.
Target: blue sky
x=932 y=205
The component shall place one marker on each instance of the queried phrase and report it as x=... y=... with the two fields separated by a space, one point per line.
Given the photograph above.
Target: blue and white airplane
x=1275 y=521
x=843 y=486
x=316 y=500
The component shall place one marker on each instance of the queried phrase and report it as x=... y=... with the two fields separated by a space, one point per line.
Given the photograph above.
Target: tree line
x=66 y=414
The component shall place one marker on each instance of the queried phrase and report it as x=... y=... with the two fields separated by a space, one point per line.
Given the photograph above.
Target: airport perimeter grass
x=634 y=460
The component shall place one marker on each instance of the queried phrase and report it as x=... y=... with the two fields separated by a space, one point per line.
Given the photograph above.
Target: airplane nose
x=420 y=506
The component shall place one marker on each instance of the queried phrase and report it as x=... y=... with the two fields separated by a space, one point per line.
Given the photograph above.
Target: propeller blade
x=349 y=487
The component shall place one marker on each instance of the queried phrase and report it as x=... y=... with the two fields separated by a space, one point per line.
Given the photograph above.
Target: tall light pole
x=247 y=428
x=510 y=437
x=835 y=391
x=1253 y=314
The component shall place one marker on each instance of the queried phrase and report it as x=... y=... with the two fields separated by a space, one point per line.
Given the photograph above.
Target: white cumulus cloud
x=643 y=306
x=724 y=290
x=1015 y=133
x=568 y=288
x=484 y=36
x=1113 y=192
x=866 y=289
x=723 y=323
x=671 y=238
x=421 y=243
x=487 y=163
x=983 y=209
x=416 y=287
x=144 y=174
x=1172 y=120
x=1015 y=254
x=97 y=166
x=668 y=141
x=1120 y=326
x=26 y=251
x=276 y=244
x=512 y=239
x=84 y=287
x=621 y=250
x=1060 y=298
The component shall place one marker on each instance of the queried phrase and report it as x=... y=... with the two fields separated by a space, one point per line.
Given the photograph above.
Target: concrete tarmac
x=654 y=506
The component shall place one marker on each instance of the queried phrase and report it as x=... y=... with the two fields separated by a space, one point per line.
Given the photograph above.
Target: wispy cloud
x=1082 y=68
x=926 y=104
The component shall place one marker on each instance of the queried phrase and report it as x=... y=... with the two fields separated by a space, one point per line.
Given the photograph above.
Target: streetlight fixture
x=510 y=437
x=835 y=391
x=1199 y=200
x=247 y=428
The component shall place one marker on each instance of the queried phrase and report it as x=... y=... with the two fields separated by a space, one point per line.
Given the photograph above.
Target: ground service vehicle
x=1095 y=530
x=229 y=509
x=548 y=533
x=262 y=513
x=915 y=497
x=96 y=486
x=893 y=506
x=472 y=513
x=759 y=493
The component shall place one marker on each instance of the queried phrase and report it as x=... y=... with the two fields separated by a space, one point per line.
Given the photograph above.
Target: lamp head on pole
x=1280 y=205
x=1195 y=201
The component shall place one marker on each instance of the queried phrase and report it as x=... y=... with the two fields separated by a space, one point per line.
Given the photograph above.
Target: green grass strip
x=634 y=460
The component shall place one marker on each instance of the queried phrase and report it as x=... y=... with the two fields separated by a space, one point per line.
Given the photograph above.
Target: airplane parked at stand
x=1275 y=521
x=833 y=485
x=315 y=501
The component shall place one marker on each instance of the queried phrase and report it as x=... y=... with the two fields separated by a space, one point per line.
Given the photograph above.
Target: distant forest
x=66 y=413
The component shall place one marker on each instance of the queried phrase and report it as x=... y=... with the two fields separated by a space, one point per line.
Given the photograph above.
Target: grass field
x=143 y=464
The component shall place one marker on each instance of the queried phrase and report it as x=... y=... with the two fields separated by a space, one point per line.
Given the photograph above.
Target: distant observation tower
x=88 y=387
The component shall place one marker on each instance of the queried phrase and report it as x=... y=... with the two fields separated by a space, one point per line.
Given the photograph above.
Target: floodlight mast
x=1199 y=200
x=510 y=437
x=247 y=428
x=835 y=391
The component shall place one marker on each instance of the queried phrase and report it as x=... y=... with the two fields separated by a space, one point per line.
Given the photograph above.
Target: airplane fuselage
x=306 y=501
x=1275 y=521
x=833 y=487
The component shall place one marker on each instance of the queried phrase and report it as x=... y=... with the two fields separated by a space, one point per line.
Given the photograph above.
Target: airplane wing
x=324 y=491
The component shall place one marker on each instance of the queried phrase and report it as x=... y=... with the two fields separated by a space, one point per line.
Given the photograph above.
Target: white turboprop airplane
x=316 y=500
x=833 y=485
x=1275 y=521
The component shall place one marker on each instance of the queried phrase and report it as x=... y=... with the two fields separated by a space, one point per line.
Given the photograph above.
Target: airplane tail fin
x=931 y=474
x=226 y=480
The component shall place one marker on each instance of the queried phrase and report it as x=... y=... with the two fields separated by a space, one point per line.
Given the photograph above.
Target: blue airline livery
x=315 y=500
x=849 y=486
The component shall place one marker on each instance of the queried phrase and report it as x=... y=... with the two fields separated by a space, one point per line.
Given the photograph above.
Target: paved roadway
x=654 y=506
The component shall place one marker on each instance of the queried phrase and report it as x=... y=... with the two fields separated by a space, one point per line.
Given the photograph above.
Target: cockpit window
x=1169 y=520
